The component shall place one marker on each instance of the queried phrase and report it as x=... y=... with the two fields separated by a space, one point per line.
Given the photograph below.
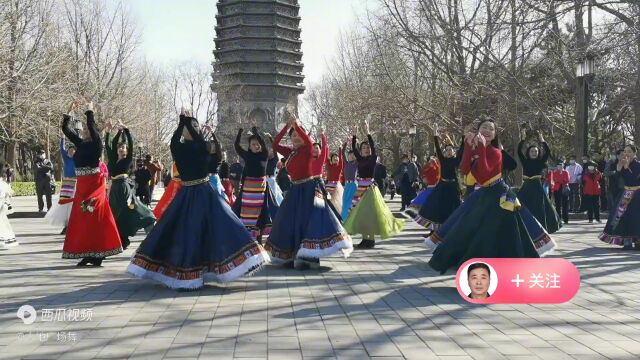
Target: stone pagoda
x=257 y=70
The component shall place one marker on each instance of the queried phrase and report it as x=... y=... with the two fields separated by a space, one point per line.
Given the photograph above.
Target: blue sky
x=175 y=31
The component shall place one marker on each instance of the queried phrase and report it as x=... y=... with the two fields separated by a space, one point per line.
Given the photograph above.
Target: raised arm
x=70 y=134
x=521 y=154
x=239 y=150
x=439 y=153
x=354 y=148
x=547 y=151
x=277 y=147
x=63 y=151
x=371 y=145
x=324 y=151
x=197 y=137
x=93 y=131
x=175 y=139
x=129 y=139
x=217 y=146
x=465 y=163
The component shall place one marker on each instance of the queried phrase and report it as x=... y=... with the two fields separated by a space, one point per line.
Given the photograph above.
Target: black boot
x=83 y=262
x=366 y=244
x=125 y=243
x=64 y=231
x=95 y=261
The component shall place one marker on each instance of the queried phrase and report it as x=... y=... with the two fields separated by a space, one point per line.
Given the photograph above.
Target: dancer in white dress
x=7 y=236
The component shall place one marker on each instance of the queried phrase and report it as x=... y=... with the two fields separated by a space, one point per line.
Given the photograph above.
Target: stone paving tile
x=384 y=303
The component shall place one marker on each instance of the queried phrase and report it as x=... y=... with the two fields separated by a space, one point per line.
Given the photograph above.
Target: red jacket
x=591 y=183
x=299 y=164
x=488 y=164
x=334 y=171
x=431 y=172
x=556 y=179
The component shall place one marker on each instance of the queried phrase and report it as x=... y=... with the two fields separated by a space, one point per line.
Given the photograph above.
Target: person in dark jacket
x=44 y=180
x=235 y=174
x=380 y=175
x=405 y=175
x=143 y=181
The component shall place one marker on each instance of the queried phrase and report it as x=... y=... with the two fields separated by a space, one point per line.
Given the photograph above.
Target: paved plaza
x=384 y=303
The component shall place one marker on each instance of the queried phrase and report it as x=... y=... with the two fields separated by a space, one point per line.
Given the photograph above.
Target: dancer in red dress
x=92 y=233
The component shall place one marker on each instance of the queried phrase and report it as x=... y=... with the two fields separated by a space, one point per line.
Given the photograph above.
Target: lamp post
x=585 y=71
x=412 y=133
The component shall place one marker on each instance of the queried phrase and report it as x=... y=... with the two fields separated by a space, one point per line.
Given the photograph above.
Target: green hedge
x=27 y=188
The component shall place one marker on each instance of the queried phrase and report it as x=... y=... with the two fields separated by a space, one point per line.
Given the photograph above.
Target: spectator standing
x=591 y=184
x=615 y=184
x=575 y=177
x=44 y=180
x=379 y=176
x=558 y=180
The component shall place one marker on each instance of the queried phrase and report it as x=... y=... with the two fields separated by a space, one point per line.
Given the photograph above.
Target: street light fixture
x=413 y=130
x=585 y=71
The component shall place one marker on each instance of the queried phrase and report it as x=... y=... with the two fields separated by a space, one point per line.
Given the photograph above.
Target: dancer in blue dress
x=198 y=238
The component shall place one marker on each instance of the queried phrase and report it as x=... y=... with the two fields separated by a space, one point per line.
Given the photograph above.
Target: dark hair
x=632 y=147
x=405 y=156
x=529 y=149
x=332 y=155
x=483 y=119
x=71 y=146
x=122 y=144
x=147 y=157
x=478 y=265
x=365 y=143
x=349 y=152
x=253 y=137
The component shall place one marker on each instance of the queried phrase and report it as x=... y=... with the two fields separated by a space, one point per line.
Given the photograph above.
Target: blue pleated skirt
x=198 y=239
x=349 y=192
x=306 y=226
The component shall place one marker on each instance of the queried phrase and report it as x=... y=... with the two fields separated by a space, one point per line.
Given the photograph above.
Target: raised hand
x=481 y=140
x=253 y=122
x=436 y=130
x=90 y=106
x=366 y=124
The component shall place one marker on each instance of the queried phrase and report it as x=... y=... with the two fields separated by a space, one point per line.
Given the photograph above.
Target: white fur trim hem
x=345 y=246
x=247 y=268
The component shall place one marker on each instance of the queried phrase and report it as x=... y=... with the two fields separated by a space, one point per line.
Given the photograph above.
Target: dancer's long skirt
x=256 y=206
x=7 y=236
x=492 y=224
x=92 y=230
x=167 y=197
x=59 y=213
x=533 y=197
x=623 y=225
x=198 y=239
x=128 y=211
x=419 y=201
x=336 y=192
x=372 y=217
x=348 y=194
x=444 y=200
x=275 y=189
x=306 y=226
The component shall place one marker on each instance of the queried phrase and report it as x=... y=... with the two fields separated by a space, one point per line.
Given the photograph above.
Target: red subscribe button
x=517 y=281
